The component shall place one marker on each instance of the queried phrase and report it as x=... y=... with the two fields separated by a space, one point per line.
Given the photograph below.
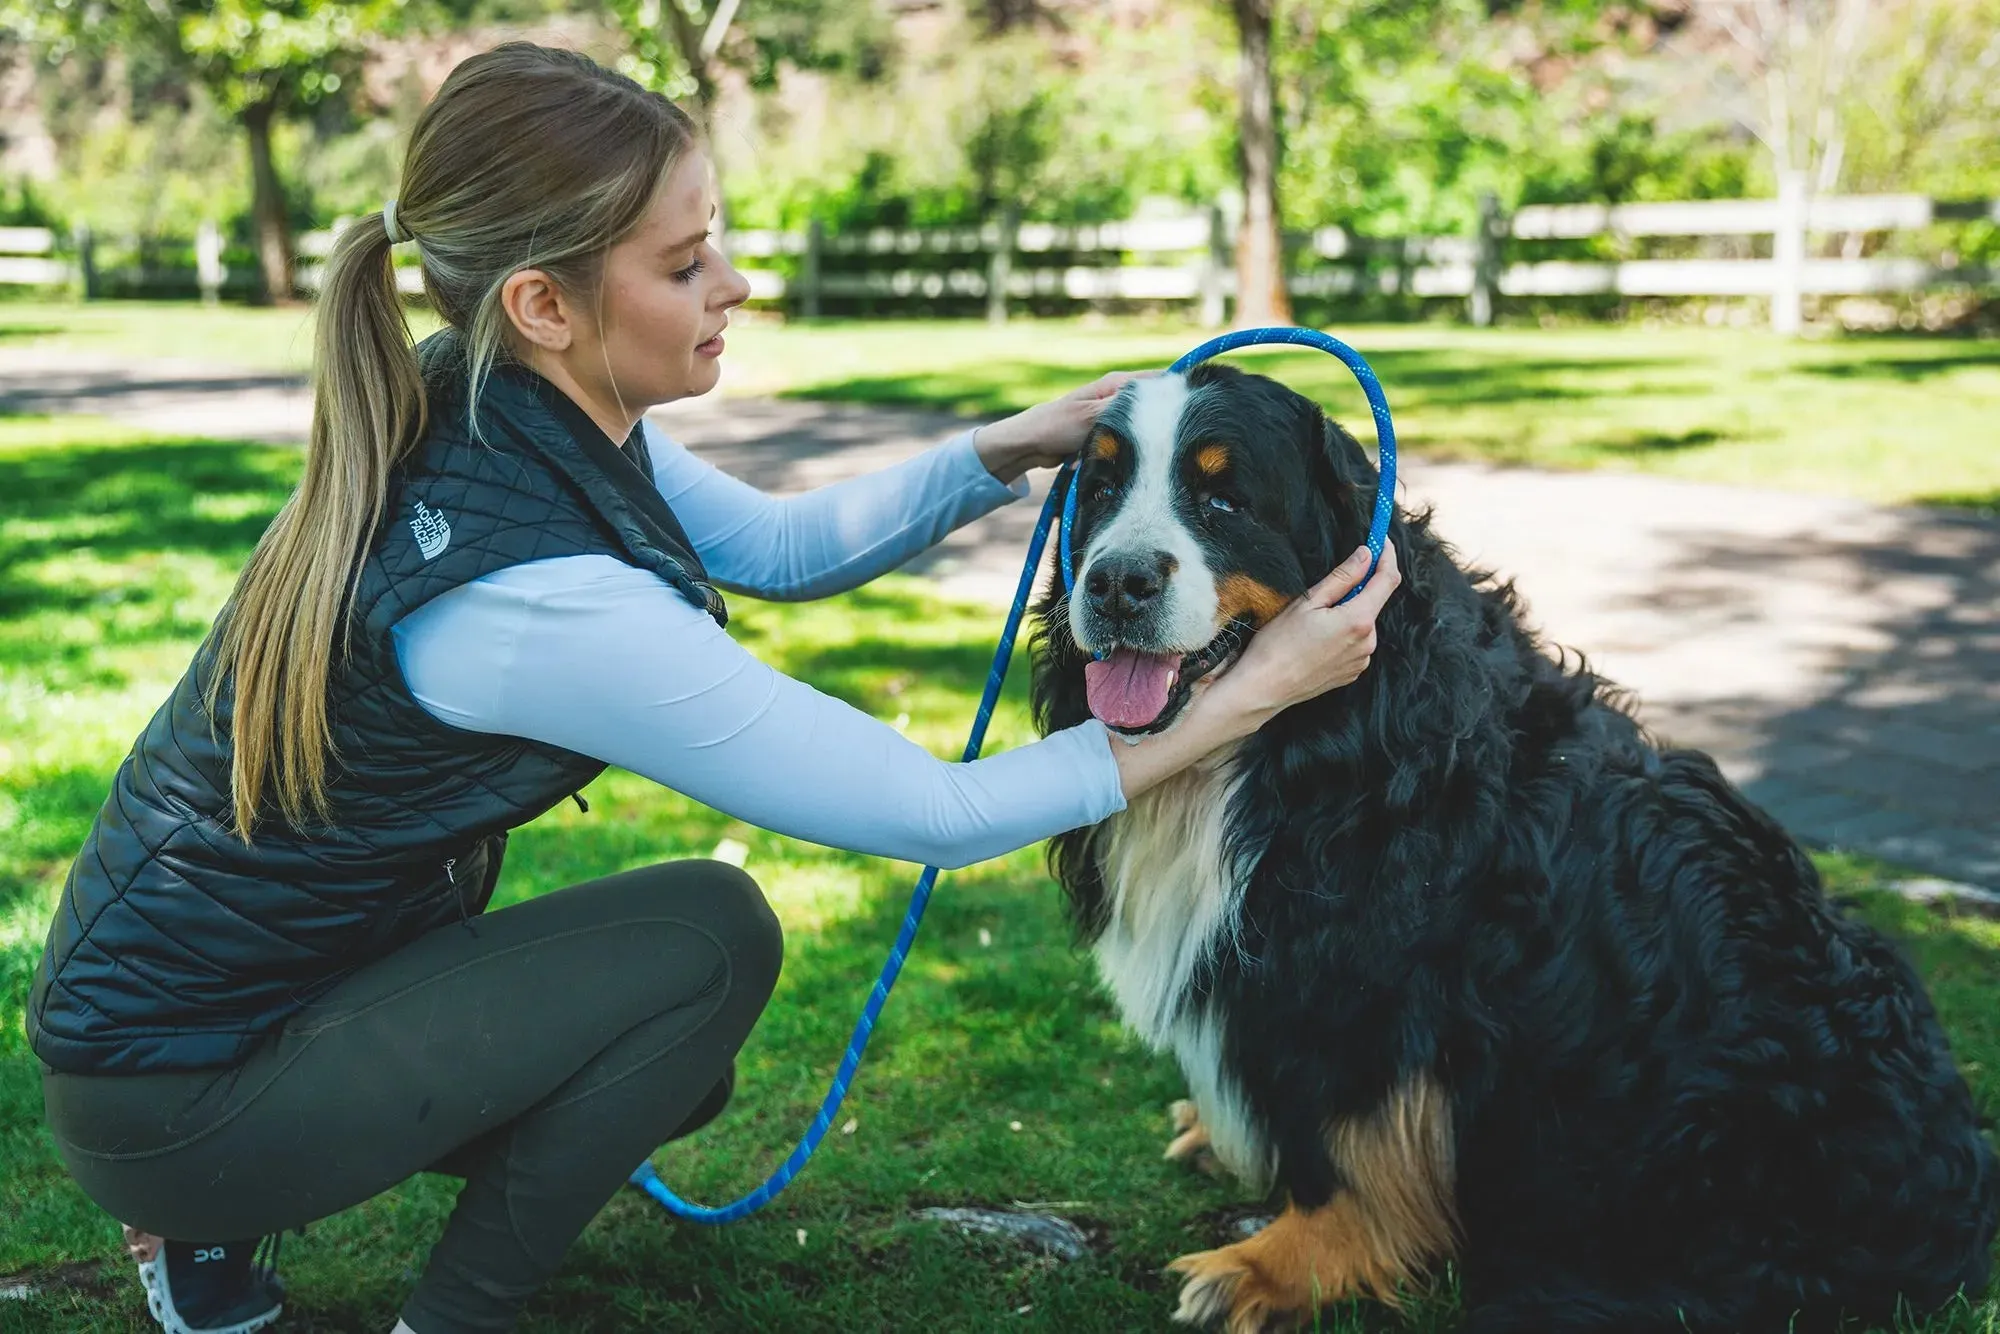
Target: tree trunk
x=267 y=206
x=1260 y=255
x=695 y=50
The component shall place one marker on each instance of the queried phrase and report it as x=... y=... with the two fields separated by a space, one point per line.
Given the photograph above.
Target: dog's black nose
x=1123 y=586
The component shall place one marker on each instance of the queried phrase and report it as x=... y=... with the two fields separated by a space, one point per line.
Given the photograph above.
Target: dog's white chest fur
x=1176 y=894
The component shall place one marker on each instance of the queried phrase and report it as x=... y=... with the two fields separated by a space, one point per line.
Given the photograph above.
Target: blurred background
x=1689 y=314
x=1833 y=160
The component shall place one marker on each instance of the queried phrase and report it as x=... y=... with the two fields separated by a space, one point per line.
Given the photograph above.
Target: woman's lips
x=711 y=348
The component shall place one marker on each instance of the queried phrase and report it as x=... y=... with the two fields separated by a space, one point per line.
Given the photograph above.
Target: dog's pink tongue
x=1129 y=689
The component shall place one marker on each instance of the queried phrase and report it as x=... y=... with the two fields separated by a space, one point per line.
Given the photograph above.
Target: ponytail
x=277 y=637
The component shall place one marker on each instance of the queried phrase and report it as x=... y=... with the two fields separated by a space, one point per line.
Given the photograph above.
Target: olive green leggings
x=540 y=1052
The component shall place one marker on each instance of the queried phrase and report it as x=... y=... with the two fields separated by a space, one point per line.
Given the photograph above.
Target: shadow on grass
x=1419 y=378
x=1986 y=502
x=102 y=547
x=207 y=496
x=1907 y=369
x=1661 y=442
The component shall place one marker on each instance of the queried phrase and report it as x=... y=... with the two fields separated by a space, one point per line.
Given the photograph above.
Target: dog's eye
x=1226 y=504
x=1102 y=492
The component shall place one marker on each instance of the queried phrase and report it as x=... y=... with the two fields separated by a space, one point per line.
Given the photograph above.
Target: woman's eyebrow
x=694 y=238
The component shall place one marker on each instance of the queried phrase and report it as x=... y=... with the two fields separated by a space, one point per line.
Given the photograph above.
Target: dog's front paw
x=1224 y=1286
x=1190 y=1143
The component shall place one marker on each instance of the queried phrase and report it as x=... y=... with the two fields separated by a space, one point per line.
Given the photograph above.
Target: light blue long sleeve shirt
x=604 y=659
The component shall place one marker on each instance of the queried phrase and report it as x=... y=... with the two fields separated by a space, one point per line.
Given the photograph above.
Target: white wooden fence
x=1471 y=267
x=1187 y=259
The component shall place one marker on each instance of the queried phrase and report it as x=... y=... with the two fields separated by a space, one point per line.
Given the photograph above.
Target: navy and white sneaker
x=215 y=1287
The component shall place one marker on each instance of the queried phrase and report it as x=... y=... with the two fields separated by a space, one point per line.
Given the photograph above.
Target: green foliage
x=1089 y=128
x=22 y=205
x=1399 y=115
x=765 y=38
x=257 y=52
x=1926 y=114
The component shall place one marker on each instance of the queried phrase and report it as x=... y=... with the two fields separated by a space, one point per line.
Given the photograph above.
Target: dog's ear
x=1342 y=487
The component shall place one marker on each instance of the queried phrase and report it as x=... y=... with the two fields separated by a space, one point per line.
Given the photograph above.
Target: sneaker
x=220 y=1287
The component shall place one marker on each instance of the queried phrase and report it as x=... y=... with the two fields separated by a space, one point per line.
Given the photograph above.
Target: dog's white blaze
x=1146 y=521
x=1175 y=899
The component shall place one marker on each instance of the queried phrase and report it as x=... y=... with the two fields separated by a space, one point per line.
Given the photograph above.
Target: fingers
x=1387 y=578
x=1344 y=577
x=1107 y=386
x=1337 y=585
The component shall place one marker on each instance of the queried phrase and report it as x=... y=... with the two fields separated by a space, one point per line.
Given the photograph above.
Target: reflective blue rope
x=1062 y=496
x=645 y=1177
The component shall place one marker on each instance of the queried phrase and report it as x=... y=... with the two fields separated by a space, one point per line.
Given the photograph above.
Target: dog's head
x=1206 y=503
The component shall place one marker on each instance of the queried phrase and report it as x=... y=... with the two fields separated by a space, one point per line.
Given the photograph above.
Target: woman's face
x=665 y=300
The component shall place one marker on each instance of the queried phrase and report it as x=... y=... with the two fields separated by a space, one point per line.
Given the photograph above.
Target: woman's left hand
x=1048 y=434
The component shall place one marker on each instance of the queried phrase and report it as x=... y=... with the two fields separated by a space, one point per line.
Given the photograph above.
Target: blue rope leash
x=644 y=1176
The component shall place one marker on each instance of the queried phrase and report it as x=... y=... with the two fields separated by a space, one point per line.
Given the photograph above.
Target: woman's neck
x=613 y=418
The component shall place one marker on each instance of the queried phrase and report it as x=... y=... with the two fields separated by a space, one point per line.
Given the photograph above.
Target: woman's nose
x=734 y=289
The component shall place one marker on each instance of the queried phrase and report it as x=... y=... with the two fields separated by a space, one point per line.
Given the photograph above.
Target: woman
x=269 y=992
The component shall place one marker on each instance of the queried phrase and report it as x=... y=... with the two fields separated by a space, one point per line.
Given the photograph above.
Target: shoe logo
x=203 y=1254
x=433 y=533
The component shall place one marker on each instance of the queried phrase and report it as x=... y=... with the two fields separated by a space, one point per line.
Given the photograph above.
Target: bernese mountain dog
x=1459 y=965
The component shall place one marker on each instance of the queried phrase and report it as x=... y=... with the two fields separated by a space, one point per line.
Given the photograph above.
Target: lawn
x=1000 y=1073
x=1888 y=419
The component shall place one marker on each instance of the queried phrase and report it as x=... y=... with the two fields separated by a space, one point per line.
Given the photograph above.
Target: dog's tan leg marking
x=1190 y=1143
x=1374 y=1238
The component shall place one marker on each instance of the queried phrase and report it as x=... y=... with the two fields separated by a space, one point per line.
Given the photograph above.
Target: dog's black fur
x=1687 y=1091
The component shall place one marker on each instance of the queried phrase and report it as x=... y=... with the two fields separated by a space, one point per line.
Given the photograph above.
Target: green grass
x=1889 y=420
x=1885 y=419
x=115 y=549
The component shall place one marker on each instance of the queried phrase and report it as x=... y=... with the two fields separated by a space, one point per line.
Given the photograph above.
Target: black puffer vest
x=176 y=947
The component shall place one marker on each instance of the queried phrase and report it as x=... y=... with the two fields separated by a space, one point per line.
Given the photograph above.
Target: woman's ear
x=538 y=310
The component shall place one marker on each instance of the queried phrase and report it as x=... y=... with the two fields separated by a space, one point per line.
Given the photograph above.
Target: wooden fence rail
x=1187 y=259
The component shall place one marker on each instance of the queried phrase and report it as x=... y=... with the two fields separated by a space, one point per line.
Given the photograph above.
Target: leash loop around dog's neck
x=1378 y=403
x=644 y=1176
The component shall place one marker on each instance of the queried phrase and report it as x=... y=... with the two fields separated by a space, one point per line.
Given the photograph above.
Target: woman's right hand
x=1305 y=650
x=1310 y=647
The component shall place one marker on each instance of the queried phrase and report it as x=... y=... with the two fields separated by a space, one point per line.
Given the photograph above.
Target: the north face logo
x=433 y=533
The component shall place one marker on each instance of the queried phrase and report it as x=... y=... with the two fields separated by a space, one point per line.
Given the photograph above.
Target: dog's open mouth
x=1137 y=693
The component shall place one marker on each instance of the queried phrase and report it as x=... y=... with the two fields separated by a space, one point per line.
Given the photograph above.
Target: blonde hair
x=528 y=157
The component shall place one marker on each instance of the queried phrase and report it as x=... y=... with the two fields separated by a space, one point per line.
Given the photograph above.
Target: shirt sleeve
x=595 y=656
x=832 y=538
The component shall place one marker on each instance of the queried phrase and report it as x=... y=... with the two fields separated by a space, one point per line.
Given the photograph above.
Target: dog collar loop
x=1378 y=404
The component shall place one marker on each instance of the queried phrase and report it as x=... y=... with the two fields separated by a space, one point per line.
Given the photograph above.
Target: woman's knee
x=742 y=919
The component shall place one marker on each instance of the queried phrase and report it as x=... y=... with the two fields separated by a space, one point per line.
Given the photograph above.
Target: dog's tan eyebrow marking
x=1104 y=443
x=1212 y=460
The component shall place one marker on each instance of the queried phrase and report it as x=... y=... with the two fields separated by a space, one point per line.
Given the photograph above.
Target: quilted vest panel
x=176 y=946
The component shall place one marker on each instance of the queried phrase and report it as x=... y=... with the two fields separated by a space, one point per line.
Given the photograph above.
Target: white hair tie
x=396 y=235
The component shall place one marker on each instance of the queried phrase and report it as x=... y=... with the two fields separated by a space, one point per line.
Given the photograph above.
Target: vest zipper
x=458 y=899
x=581 y=804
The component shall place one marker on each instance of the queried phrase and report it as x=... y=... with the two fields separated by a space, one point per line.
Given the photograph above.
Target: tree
x=679 y=53
x=687 y=49
x=1800 y=54
x=1261 y=297
x=260 y=59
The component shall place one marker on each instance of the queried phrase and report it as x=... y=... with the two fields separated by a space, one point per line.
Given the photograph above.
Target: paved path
x=1841 y=660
